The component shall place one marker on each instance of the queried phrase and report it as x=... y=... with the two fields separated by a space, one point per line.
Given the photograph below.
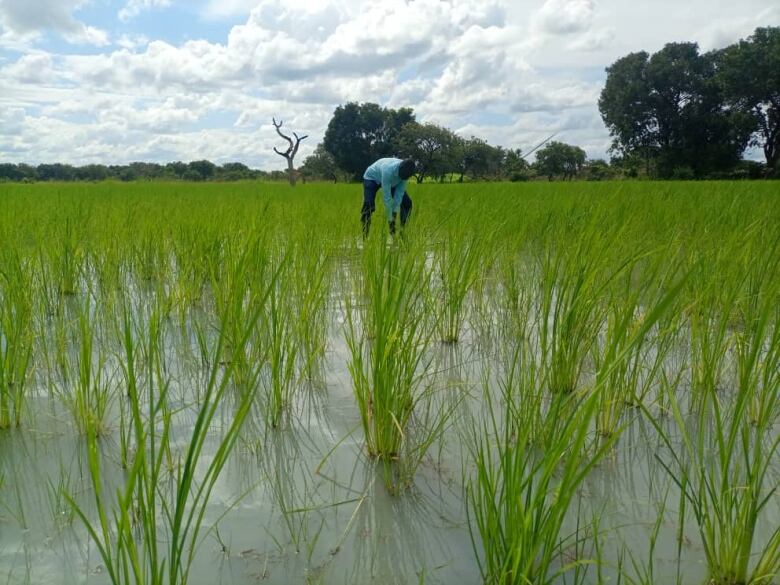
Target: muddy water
x=303 y=504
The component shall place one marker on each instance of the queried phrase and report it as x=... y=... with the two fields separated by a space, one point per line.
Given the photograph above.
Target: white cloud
x=132 y=42
x=721 y=32
x=12 y=120
x=30 y=18
x=593 y=40
x=36 y=68
x=133 y=8
x=562 y=17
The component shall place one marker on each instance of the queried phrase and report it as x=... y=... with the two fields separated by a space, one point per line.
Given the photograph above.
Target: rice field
x=531 y=384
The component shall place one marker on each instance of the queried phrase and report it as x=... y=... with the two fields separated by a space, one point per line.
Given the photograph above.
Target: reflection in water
x=304 y=503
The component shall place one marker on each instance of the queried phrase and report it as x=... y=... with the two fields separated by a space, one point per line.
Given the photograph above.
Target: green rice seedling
x=724 y=468
x=627 y=382
x=520 y=494
x=16 y=337
x=757 y=341
x=389 y=369
x=108 y=266
x=192 y=249
x=716 y=289
x=458 y=257
x=90 y=397
x=517 y=280
x=147 y=534
x=67 y=260
x=570 y=307
x=522 y=488
x=282 y=346
x=232 y=295
x=310 y=282
x=150 y=256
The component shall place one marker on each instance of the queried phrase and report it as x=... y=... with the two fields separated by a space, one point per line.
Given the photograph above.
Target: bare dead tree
x=291 y=151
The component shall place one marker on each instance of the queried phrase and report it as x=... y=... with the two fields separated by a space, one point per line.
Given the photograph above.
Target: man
x=389 y=174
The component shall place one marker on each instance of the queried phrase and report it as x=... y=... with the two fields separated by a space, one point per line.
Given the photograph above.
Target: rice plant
x=522 y=488
x=281 y=344
x=16 y=337
x=88 y=394
x=570 y=305
x=521 y=491
x=458 y=259
x=170 y=520
x=387 y=343
x=628 y=381
x=310 y=282
x=724 y=467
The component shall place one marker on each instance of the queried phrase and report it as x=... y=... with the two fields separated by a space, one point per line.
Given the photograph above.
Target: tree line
x=200 y=170
x=358 y=134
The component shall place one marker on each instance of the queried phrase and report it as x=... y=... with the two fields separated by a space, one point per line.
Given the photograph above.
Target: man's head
x=406 y=169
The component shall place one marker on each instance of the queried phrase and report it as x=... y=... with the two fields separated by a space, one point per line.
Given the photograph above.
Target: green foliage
x=358 y=134
x=431 y=147
x=749 y=73
x=556 y=159
x=320 y=165
x=669 y=108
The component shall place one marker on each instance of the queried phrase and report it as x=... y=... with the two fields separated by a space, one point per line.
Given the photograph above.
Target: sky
x=116 y=81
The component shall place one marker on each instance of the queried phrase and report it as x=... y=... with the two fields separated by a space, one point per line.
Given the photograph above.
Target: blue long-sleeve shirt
x=385 y=172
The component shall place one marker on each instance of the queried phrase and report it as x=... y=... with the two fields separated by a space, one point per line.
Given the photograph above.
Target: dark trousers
x=369 y=205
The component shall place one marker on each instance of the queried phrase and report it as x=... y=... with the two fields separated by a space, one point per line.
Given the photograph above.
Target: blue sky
x=115 y=81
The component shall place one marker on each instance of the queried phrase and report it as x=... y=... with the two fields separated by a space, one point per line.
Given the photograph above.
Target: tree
x=92 y=173
x=55 y=172
x=430 y=146
x=292 y=149
x=479 y=160
x=749 y=73
x=234 y=171
x=12 y=172
x=200 y=170
x=176 y=169
x=358 y=134
x=669 y=109
x=598 y=170
x=320 y=165
x=515 y=166
x=560 y=159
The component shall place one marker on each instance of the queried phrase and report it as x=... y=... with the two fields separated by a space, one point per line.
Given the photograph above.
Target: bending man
x=389 y=174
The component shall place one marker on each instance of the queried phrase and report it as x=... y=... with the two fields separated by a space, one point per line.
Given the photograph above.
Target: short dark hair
x=406 y=169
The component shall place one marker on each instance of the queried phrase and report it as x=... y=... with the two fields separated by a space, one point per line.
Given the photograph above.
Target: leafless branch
x=292 y=148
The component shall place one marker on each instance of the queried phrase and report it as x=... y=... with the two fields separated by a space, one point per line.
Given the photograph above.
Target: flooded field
x=530 y=384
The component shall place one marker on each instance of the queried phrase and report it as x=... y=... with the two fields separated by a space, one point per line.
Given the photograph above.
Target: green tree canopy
x=430 y=146
x=668 y=107
x=749 y=73
x=320 y=165
x=358 y=134
x=558 y=159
